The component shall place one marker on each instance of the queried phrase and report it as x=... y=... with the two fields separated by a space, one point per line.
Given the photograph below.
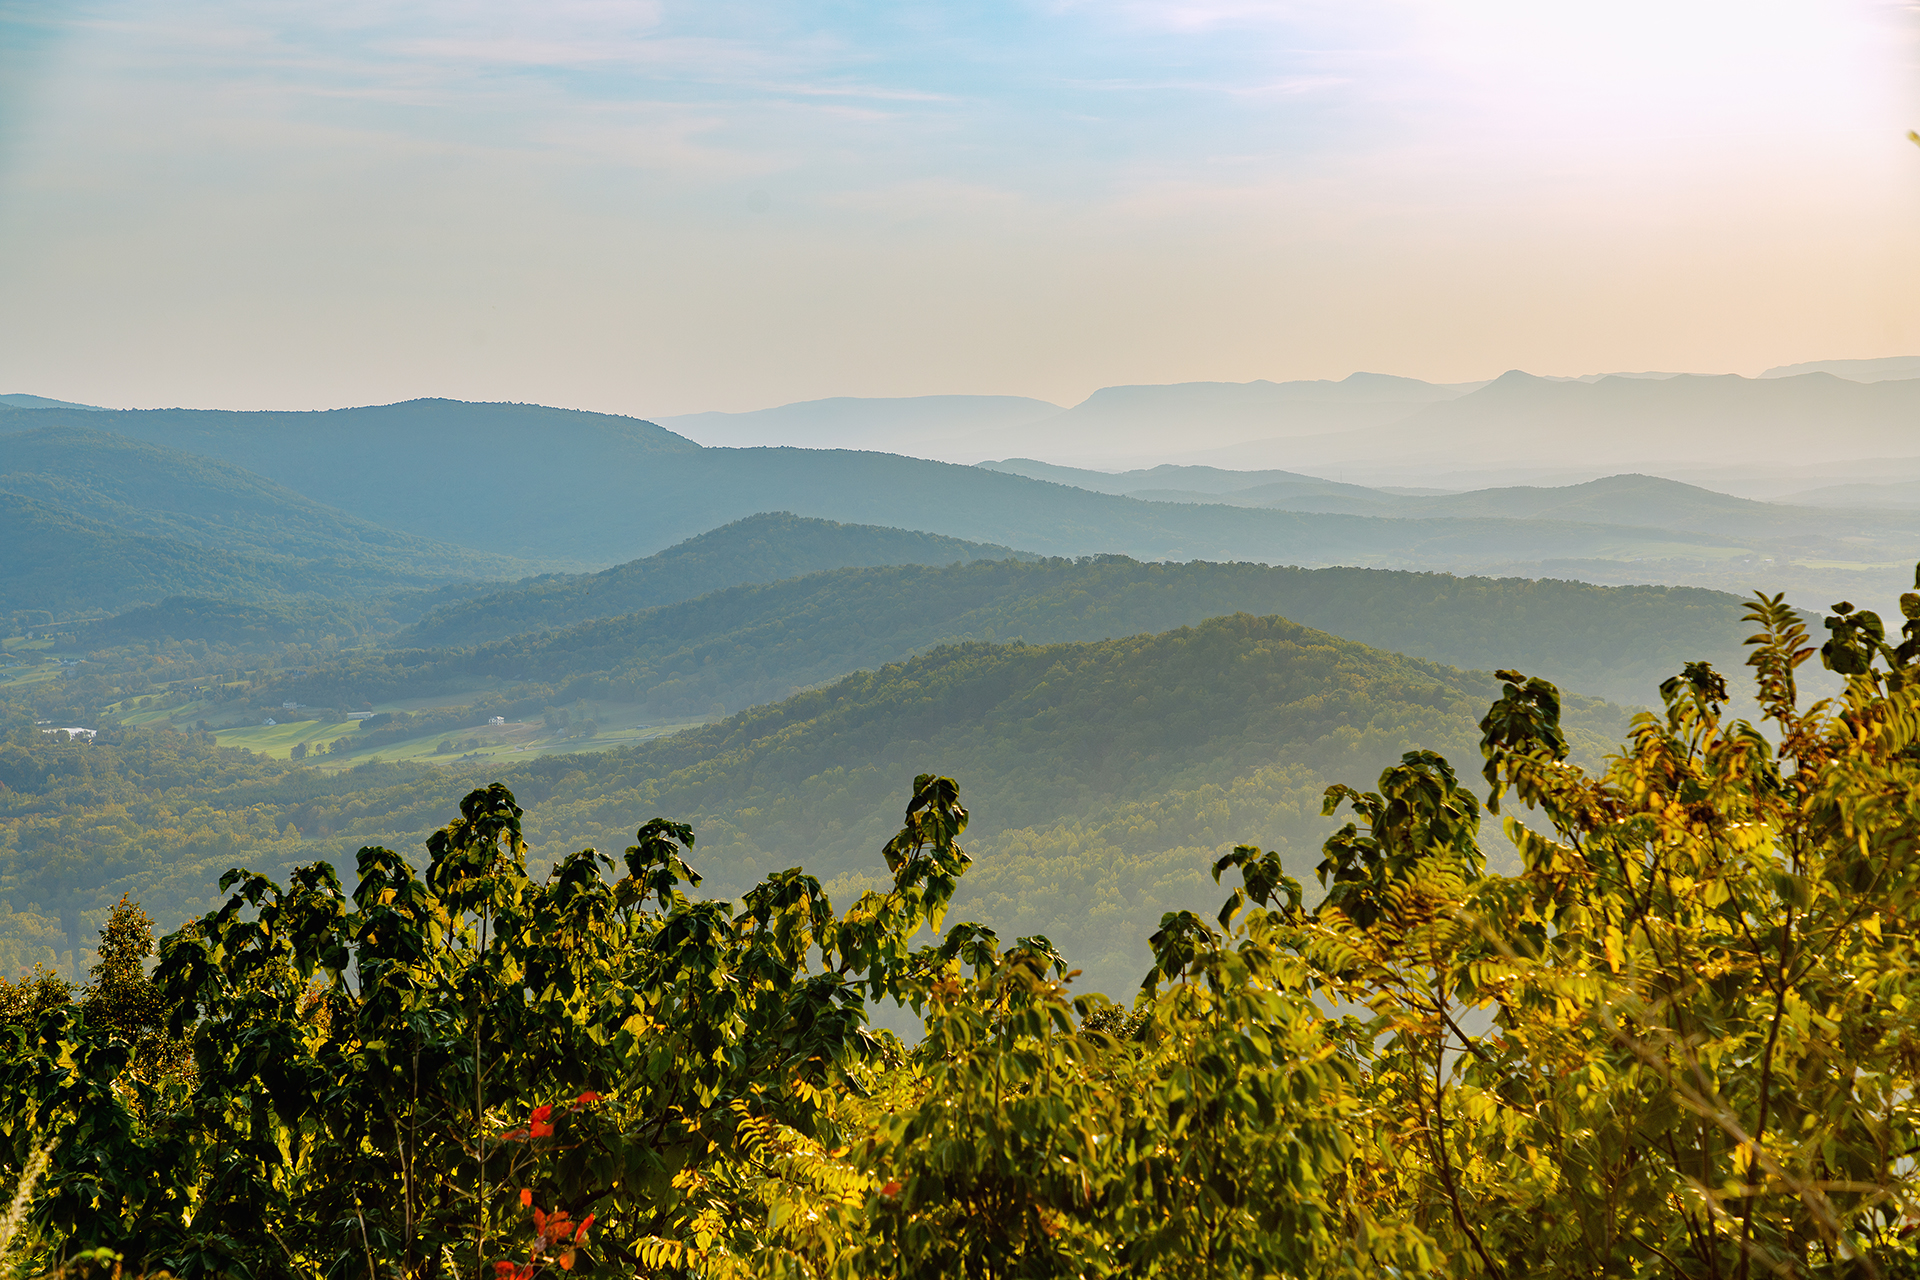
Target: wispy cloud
x=778 y=172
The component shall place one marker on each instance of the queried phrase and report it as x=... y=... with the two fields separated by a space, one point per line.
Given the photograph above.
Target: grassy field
x=279 y=740
x=181 y=715
x=520 y=741
x=1851 y=564
x=1635 y=551
x=22 y=661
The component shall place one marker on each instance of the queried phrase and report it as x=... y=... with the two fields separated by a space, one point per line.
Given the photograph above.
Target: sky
x=661 y=207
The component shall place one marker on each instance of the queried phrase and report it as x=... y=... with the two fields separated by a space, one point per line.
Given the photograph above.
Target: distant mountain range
x=944 y=427
x=41 y=402
x=1887 y=369
x=1631 y=422
x=1113 y=422
x=1367 y=428
x=1650 y=502
x=1747 y=435
x=525 y=483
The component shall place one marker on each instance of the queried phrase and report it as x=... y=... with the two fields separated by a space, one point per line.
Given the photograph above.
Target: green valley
x=1103 y=778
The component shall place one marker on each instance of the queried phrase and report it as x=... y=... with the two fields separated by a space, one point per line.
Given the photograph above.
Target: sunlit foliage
x=1680 y=1041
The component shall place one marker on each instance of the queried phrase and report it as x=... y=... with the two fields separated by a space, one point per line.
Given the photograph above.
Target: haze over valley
x=344 y=617
x=1177 y=639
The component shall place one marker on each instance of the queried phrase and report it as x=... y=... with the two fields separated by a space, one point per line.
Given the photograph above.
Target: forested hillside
x=761 y=548
x=245 y=627
x=94 y=521
x=167 y=492
x=1103 y=778
x=755 y=643
x=60 y=562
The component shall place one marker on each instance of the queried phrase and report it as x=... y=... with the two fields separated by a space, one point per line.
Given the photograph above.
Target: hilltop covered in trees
x=752 y=643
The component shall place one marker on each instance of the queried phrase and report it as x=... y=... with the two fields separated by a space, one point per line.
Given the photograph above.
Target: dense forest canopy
x=751 y=644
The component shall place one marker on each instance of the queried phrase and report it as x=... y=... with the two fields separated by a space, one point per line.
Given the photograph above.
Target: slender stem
x=479 y=1101
x=1766 y=1092
x=366 y=1243
x=1439 y=1141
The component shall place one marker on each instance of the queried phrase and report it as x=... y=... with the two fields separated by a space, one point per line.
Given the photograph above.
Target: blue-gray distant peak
x=1262 y=394
x=914 y=425
x=1886 y=369
x=21 y=401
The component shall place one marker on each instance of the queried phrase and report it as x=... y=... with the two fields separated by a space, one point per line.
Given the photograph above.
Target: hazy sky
x=665 y=207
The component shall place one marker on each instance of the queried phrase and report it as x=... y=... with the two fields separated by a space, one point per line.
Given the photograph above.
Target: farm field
x=521 y=740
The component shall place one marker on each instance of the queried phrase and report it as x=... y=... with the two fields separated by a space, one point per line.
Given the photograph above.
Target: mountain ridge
x=757 y=642
x=763 y=547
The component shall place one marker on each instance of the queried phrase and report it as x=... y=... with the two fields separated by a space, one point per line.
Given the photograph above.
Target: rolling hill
x=757 y=643
x=21 y=401
x=169 y=493
x=761 y=548
x=1648 y=502
x=66 y=564
x=1103 y=779
x=514 y=480
x=1186 y=481
x=1895 y=495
